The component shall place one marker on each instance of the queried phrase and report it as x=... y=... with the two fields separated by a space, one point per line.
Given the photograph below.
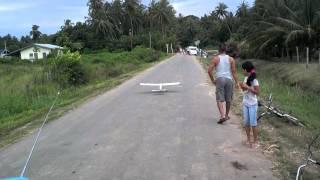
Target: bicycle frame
x=273 y=110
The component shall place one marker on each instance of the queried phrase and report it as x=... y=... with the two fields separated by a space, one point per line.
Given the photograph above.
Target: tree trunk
x=319 y=56
x=171 y=49
x=287 y=51
x=150 y=40
x=131 y=22
x=307 y=65
x=162 y=29
x=298 y=56
x=131 y=33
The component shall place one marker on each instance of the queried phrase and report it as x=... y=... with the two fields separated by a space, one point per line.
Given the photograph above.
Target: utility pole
x=5 y=46
x=130 y=32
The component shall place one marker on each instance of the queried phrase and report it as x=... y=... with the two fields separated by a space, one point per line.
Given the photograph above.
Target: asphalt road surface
x=130 y=133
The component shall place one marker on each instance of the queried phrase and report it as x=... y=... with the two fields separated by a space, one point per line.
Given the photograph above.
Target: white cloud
x=74 y=8
x=7 y=7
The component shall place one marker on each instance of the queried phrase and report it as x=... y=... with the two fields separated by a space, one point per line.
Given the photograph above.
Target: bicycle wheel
x=299 y=175
x=261 y=115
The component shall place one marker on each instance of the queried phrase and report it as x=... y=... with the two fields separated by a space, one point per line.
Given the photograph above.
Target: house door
x=35 y=55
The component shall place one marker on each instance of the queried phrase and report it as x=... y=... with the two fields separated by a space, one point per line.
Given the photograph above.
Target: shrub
x=68 y=70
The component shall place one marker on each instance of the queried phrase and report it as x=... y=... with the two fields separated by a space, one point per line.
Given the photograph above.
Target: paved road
x=131 y=134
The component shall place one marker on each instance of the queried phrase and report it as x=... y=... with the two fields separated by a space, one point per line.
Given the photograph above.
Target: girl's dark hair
x=249 y=67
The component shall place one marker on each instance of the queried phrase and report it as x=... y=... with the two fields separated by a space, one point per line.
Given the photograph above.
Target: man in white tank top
x=225 y=67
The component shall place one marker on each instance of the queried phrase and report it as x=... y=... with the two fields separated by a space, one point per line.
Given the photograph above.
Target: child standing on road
x=251 y=89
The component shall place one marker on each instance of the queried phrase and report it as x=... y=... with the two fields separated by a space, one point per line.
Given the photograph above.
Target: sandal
x=246 y=143
x=227 y=118
x=256 y=145
x=222 y=120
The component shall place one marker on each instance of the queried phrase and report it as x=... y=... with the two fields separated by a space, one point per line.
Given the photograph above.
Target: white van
x=192 y=50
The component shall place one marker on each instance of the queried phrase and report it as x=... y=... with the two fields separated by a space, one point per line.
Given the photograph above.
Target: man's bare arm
x=234 y=72
x=211 y=68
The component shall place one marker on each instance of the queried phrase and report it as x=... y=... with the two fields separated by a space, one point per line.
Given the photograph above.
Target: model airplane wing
x=171 y=84
x=149 y=84
x=160 y=85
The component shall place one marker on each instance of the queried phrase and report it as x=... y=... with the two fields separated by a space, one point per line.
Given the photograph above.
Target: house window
x=31 y=55
x=44 y=55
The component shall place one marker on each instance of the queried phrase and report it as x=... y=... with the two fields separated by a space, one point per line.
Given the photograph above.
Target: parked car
x=192 y=50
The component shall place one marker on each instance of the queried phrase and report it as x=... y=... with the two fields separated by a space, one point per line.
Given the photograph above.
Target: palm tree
x=117 y=13
x=222 y=14
x=221 y=11
x=132 y=8
x=162 y=13
x=35 y=33
x=243 y=10
x=101 y=18
x=291 y=25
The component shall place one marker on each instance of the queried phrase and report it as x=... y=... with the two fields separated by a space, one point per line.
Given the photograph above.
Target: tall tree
x=133 y=14
x=35 y=33
x=222 y=14
x=100 y=18
x=285 y=24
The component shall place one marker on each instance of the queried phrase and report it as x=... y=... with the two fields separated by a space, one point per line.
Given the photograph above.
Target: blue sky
x=18 y=16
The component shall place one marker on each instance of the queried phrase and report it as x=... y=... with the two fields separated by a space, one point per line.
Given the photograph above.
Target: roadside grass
x=286 y=144
x=27 y=92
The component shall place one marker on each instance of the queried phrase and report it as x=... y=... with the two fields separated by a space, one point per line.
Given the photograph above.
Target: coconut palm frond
x=294 y=35
x=265 y=23
x=288 y=23
x=292 y=13
x=266 y=44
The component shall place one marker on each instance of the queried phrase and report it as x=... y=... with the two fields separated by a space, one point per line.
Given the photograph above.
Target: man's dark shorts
x=224 y=89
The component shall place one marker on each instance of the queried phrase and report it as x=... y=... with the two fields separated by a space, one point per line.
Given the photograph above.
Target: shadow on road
x=159 y=93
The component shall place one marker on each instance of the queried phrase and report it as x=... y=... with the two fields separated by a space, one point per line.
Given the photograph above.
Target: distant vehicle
x=204 y=54
x=192 y=50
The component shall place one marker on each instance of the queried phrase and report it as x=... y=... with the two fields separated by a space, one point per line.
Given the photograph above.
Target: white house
x=38 y=51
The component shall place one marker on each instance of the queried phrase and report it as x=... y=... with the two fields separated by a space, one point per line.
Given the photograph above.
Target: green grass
x=290 y=92
x=27 y=91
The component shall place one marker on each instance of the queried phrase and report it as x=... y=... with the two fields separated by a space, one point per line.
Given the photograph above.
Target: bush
x=68 y=70
x=10 y=60
x=145 y=55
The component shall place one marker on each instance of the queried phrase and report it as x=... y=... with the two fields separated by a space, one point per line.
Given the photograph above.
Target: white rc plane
x=160 y=85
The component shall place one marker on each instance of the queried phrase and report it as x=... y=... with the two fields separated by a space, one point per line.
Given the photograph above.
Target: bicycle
x=269 y=109
x=309 y=161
